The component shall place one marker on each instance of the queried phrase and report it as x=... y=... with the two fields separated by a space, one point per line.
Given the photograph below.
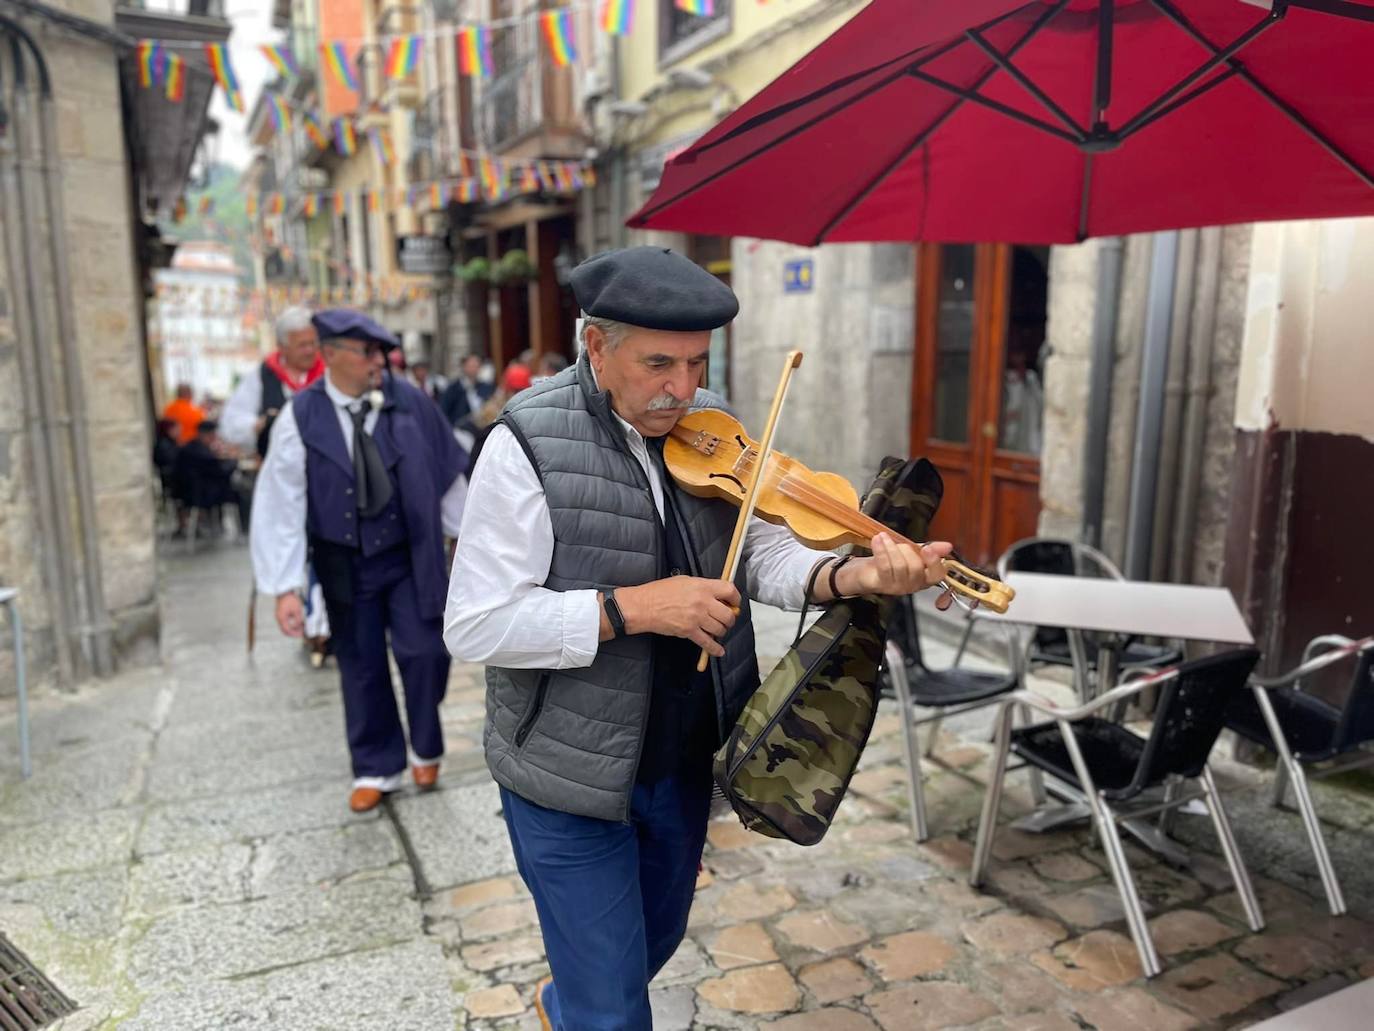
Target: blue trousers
x=612 y=898
x=384 y=600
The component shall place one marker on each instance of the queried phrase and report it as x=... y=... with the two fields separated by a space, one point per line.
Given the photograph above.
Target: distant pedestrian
x=363 y=472
x=185 y=413
x=463 y=398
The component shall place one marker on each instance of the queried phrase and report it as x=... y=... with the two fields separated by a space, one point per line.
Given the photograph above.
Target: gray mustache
x=665 y=403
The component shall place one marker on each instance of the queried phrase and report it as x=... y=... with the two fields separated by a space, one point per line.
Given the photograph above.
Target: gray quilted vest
x=570 y=739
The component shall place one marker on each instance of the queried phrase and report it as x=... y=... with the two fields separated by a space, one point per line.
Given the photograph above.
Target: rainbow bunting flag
x=560 y=171
x=335 y=58
x=218 y=56
x=381 y=145
x=558 y=34
x=315 y=131
x=465 y=191
x=436 y=196
x=545 y=172
x=345 y=137
x=312 y=205
x=276 y=204
x=205 y=206
x=403 y=56
x=474 y=51
x=701 y=8
x=176 y=79
x=589 y=176
x=282 y=59
x=250 y=205
x=617 y=16
x=340 y=202
x=374 y=200
x=281 y=114
x=179 y=209
x=147 y=54
x=529 y=182
x=489 y=180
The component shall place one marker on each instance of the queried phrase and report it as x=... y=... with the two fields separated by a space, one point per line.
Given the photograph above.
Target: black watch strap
x=613 y=613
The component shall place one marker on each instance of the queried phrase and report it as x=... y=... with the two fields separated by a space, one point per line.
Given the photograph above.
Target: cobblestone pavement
x=183 y=858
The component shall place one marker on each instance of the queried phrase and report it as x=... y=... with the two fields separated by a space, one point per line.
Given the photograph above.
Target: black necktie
x=374 y=486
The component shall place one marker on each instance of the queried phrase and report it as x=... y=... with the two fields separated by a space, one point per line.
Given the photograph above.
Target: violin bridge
x=746 y=456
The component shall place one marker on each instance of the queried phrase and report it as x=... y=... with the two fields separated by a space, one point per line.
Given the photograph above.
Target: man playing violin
x=584 y=580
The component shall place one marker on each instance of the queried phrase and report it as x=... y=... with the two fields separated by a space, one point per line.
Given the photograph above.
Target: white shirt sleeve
x=238 y=421
x=498 y=612
x=777 y=565
x=277 y=535
x=451 y=506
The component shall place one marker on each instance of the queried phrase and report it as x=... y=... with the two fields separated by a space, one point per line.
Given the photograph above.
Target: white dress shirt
x=238 y=423
x=499 y=612
x=277 y=542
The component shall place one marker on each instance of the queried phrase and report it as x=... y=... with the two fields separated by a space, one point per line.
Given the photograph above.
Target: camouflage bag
x=788 y=761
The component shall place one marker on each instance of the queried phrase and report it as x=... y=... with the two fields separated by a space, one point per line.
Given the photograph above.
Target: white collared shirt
x=277 y=542
x=499 y=612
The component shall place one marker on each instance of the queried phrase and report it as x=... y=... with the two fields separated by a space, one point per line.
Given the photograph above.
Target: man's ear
x=595 y=339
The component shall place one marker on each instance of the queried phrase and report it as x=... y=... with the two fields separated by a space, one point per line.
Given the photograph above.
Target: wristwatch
x=613 y=613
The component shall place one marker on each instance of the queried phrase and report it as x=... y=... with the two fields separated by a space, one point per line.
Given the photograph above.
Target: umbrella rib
x=1149 y=114
x=1004 y=62
x=1136 y=124
x=1340 y=8
x=1283 y=106
x=998 y=106
x=849 y=206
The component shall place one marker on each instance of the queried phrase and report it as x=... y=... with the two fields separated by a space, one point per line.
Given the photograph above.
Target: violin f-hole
x=727 y=476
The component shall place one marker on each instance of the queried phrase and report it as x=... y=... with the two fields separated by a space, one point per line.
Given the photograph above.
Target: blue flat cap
x=336 y=323
x=654 y=288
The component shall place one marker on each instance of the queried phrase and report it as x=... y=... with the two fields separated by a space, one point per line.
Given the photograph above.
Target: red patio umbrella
x=1044 y=122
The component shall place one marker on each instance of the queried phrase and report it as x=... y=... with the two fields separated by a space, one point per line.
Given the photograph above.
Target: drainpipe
x=1171 y=419
x=99 y=629
x=1100 y=387
x=31 y=347
x=1154 y=363
x=1195 y=399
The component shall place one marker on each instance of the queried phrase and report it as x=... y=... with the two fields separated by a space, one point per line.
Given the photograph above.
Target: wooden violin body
x=710 y=455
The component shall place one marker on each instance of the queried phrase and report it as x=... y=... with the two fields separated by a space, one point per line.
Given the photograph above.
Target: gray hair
x=615 y=331
x=293 y=320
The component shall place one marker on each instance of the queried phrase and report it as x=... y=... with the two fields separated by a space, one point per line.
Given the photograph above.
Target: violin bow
x=751 y=493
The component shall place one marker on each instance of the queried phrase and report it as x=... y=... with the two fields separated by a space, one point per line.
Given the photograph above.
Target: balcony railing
x=529 y=99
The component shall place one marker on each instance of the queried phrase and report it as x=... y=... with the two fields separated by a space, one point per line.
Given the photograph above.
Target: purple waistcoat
x=422 y=459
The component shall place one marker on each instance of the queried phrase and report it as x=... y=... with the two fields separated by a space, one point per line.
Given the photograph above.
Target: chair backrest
x=1056 y=556
x=1190 y=714
x=1356 y=724
x=904 y=631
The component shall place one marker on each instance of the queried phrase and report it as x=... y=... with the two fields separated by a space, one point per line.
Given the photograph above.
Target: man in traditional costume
x=363 y=474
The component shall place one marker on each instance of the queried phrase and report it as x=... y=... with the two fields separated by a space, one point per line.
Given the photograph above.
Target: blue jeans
x=612 y=898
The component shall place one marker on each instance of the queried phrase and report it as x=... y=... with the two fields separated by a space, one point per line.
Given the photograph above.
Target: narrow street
x=183 y=858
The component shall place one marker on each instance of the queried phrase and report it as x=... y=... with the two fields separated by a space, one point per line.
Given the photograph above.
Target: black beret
x=344 y=323
x=654 y=288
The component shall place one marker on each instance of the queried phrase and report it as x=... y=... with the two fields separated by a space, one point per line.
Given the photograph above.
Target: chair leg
x=992 y=800
x=932 y=735
x=896 y=670
x=1276 y=799
x=1289 y=768
x=1037 y=779
x=1239 y=874
x=1166 y=816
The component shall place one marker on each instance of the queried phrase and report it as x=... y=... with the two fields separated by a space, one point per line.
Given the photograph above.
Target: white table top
x=1345 y=1010
x=1174 y=611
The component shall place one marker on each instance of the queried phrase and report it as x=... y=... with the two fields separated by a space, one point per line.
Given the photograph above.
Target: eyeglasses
x=366 y=350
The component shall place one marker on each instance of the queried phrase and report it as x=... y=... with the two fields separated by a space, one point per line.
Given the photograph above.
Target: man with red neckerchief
x=247 y=418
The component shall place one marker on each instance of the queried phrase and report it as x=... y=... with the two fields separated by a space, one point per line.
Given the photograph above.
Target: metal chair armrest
x=1117 y=694
x=1340 y=648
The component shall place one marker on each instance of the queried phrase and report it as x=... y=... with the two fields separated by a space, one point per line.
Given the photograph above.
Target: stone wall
x=108 y=314
x=850 y=401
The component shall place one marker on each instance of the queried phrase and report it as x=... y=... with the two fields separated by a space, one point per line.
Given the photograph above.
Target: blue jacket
x=422 y=458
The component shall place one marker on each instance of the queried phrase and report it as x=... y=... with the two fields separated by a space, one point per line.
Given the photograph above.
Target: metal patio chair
x=1110 y=768
x=949 y=692
x=1304 y=731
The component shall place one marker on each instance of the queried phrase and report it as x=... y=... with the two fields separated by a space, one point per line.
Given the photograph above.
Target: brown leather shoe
x=425 y=777
x=545 y=1024
x=364 y=799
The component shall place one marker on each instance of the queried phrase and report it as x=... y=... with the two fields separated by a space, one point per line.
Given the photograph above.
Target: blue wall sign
x=798 y=275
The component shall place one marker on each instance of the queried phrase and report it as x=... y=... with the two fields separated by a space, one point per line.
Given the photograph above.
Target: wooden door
x=976 y=396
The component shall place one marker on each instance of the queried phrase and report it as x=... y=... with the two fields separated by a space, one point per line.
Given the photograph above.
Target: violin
x=711 y=456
